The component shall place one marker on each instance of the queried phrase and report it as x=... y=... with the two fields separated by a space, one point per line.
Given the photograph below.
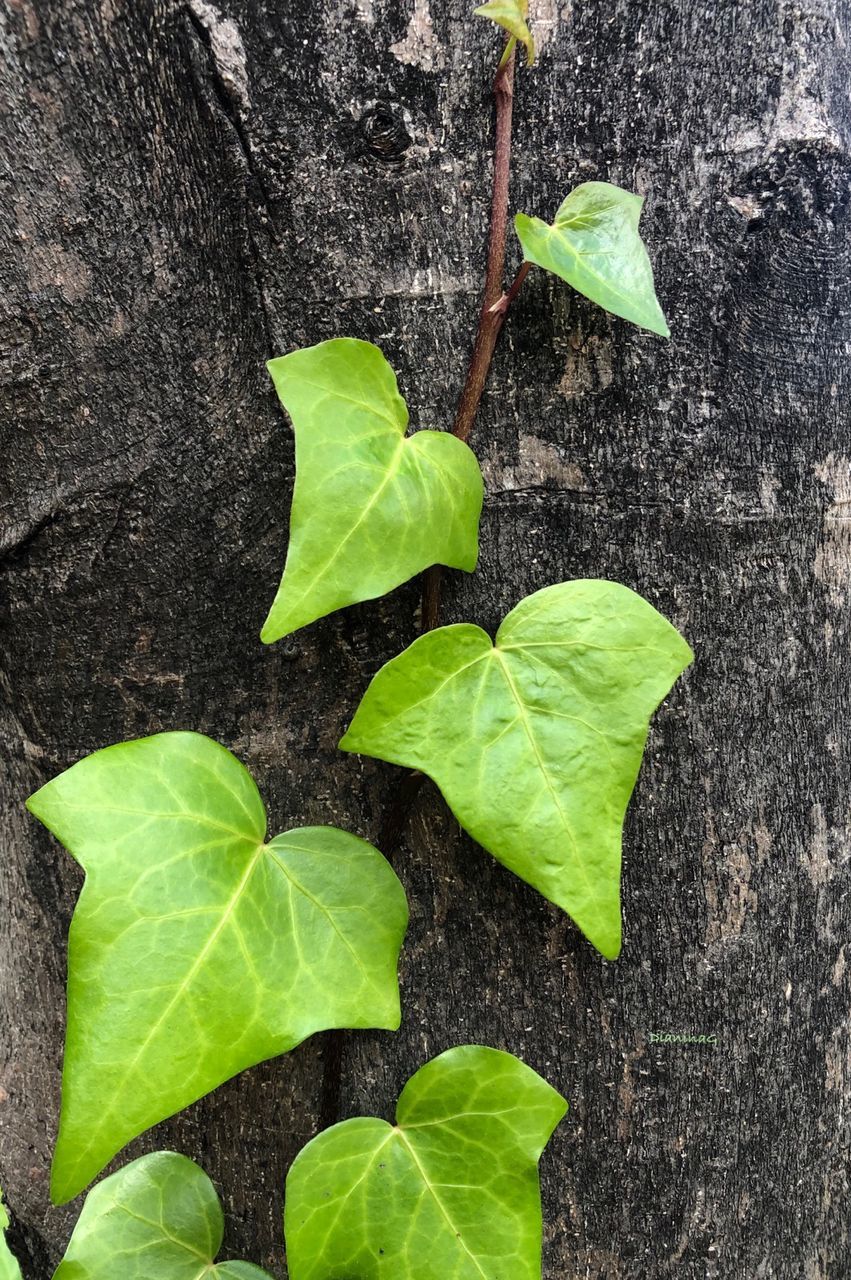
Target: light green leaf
x=511 y=15
x=449 y=1193
x=9 y=1269
x=372 y=507
x=535 y=741
x=158 y=1218
x=196 y=949
x=594 y=245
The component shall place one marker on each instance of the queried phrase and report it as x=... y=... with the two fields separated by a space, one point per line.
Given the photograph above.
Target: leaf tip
x=62 y=1189
x=273 y=629
x=394 y=1021
x=605 y=934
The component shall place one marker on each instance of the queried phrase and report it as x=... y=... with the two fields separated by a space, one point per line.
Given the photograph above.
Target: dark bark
x=189 y=189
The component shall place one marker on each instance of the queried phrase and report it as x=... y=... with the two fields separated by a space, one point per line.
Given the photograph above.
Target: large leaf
x=511 y=16
x=448 y=1193
x=9 y=1269
x=158 y=1218
x=372 y=506
x=196 y=949
x=594 y=245
x=535 y=741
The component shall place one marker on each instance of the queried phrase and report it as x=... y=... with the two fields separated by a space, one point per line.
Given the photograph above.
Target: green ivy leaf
x=511 y=16
x=372 y=507
x=9 y=1269
x=449 y=1193
x=594 y=245
x=158 y=1218
x=535 y=741
x=197 y=950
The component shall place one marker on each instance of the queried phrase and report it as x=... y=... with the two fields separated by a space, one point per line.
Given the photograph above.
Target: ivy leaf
x=450 y=1193
x=158 y=1218
x=594 y=245
x=511 y=16
x=535 y=741
x=196 y=949
x=9 y=1269
x=372 y=507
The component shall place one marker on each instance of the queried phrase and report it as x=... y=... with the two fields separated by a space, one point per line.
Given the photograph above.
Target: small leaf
x=196 y=949
x=594 y=245
x=511 y=15
x=372 y=507
x=536 y=741
x=9 y=1269
x=450 y=1191
x=158 y=1218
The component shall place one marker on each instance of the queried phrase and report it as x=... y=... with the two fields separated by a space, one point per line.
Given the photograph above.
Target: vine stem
x=495 y=302
x=490 y=320
x=494 y=308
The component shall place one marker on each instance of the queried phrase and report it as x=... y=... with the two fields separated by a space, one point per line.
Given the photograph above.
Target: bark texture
x=189 y=188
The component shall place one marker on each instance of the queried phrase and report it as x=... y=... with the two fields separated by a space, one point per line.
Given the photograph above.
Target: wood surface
x=189 y=188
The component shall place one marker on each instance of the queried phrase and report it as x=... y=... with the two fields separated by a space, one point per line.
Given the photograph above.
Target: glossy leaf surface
x=449 y=1193
x=9 y=1269
x=511 y=16
x=372 y=507
x=158 y=1218
x=535 y=741
x=196 y=949
x=594 y=245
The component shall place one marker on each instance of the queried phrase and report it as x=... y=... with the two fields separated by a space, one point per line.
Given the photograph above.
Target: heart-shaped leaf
x=594 y=245
x=196 y=949
x=158 y=1218
x=535 y=741
x=449 y=1193
x=372 y=507
x=9 y=1269
x=511 y=16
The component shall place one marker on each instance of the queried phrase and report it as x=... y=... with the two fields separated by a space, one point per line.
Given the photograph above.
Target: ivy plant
x=450 y=1192
x=535 y=740
x=372 y=506
x=158 y=1218
x=594 y=245
x=197 y=948
x=9 y=1269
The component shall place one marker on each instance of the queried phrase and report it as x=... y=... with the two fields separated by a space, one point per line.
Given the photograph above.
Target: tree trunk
x=190 y=188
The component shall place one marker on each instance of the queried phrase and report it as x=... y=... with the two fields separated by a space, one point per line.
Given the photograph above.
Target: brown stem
x=430 y=609
x=495 y=303
x=494 y=309
x=490 y=322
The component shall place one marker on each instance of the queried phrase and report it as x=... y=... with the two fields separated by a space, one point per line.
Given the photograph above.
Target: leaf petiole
x=502 y=304
x=509 y=49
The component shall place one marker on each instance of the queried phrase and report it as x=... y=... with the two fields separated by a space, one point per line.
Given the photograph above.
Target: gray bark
x=189 y=188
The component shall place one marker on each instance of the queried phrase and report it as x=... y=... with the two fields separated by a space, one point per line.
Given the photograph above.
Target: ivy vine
x=199 y=948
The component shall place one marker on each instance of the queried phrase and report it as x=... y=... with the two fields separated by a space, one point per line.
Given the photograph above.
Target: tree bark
x=190 y=188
